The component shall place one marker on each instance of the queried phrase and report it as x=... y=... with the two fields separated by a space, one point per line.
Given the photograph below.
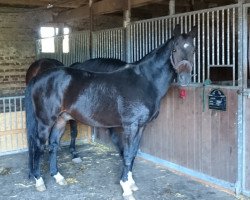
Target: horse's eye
x=174 y=50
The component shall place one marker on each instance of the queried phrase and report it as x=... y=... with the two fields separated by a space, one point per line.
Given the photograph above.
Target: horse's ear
x=194 y=31
x=177 y=30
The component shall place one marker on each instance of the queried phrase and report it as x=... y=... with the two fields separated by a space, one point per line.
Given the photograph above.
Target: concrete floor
x=97 y=178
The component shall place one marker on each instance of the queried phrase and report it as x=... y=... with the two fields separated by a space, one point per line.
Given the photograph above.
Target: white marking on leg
x=126 y=188
x=40 y=186
x=131 y=181
x=60 y=179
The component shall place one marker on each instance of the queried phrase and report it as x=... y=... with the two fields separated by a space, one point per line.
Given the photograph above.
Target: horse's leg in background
x=43 y=134
x=131 y=139
x=54 y=142
x=72 y=147
x=117 y=140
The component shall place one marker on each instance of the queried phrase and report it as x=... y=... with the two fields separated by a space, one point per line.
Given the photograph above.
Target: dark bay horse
x=92 y=65
x=129 y=98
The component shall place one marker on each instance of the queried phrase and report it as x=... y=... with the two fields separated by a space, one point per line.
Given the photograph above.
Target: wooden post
x=171 y=7
x=126 y=13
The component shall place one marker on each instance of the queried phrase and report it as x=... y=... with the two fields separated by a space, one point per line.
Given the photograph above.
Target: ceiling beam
x=100 y=7
x=42 y=3
x=25 y=2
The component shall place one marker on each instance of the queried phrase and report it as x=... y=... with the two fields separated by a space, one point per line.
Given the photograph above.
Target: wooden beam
x=25 y=2
x=100 y=7
x=73 y=14
x=107 y=6
x=43 y=3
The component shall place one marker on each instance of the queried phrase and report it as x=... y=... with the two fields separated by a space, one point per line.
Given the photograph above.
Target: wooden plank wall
x=204 y=141
x=247 y=129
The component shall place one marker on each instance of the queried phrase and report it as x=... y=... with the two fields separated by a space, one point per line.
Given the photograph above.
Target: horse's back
x=100 y=64
x=40 y=66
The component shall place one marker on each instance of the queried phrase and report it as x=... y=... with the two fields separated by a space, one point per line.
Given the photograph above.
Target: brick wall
x=18 y=30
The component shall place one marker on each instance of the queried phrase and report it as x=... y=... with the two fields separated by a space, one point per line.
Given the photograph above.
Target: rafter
x=100 y=7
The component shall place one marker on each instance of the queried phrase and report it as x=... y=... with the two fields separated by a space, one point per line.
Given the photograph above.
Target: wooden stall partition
x=193 y=136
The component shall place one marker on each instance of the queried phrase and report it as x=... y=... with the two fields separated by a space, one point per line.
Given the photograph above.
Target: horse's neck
x=157 y=68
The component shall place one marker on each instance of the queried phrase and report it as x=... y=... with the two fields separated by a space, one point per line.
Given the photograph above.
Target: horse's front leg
x=131 y=140
x=54 y=143
x=72 y=147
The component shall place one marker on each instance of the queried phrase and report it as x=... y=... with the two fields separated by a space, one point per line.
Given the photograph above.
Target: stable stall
x=202 y=129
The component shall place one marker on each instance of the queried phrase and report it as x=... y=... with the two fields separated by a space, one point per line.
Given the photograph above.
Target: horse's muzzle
x=183 y=70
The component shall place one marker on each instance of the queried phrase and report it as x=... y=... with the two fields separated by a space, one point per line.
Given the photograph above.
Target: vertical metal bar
x=196 y=53
x=213 y=38
x=149 y=37
x=143 y=39
x=10 y=122
x=199 y=49
x=181 y=24
x=21 y=111
x=134 y=43
x=140 y=40
x=152 y=35
x=208 y=44
x=185 y=24
x=234 y=51
x=170 y=28
x=228 y=37
x=16 y=124
x=156 y=33
x=218 y=36
x=146 y=37
x=203 y=48
x=223 y=37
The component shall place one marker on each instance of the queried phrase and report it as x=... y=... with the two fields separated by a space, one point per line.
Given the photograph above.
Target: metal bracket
x=243 y=92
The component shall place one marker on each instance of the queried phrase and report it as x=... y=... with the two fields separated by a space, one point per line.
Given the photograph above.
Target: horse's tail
x=31 y=125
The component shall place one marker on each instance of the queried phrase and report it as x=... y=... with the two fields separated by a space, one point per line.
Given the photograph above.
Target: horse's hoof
x=40 y=186
x=134 y=187
x=129 y=197
x=77 y=160
x=62 y=182
x=60 y=179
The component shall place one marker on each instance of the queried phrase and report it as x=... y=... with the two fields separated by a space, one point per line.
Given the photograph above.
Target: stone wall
x=18 y=31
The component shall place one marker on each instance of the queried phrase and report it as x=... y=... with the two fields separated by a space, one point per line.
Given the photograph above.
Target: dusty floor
x=97 y=178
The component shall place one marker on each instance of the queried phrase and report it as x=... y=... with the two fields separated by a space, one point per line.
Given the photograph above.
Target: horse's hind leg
x=54 y=142
x=131 y=140
x=72 y=147
x=43 y=132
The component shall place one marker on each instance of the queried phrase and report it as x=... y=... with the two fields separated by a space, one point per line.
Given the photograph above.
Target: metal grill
x=78 y=48
x=109 y=44
x=216 y=41
x=12 y=124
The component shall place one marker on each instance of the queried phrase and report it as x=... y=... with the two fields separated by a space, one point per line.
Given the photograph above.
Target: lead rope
x=205 y=83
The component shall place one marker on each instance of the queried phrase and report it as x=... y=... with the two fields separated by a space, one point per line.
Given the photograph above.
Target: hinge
x=243 y=92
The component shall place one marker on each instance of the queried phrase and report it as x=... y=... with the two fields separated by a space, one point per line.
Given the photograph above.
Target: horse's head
x=182 y=55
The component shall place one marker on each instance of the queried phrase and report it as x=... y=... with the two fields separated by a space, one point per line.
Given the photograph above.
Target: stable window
x=47 y=39
x=66 y=40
